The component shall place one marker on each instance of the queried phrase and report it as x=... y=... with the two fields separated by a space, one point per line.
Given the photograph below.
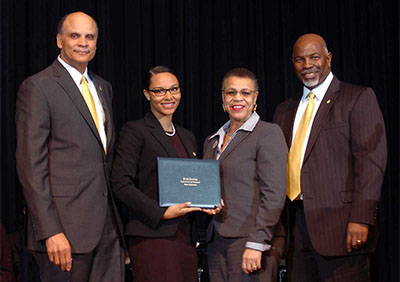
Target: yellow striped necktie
x=89 y=101
x=294 y=157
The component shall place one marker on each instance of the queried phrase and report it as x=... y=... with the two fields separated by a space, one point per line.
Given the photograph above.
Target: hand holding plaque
x=189 y=180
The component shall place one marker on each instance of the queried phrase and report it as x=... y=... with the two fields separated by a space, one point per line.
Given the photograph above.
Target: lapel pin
x=215 y=144
x=328 y=101
x=194 y=154
x=101 y=88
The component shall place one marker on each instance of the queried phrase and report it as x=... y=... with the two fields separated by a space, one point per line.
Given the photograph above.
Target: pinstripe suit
x=343 y=165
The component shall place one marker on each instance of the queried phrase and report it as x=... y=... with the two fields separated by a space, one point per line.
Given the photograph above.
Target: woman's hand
x=178 y=210
x=251 y=261
x=215 y=211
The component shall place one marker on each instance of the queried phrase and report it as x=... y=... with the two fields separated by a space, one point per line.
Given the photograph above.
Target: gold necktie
x=89 y=101
x=294 y=157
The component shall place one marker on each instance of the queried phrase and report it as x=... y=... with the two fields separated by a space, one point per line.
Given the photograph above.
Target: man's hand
x=178 y=210
x=251 y=261
x=59 y=251
x=357 y=234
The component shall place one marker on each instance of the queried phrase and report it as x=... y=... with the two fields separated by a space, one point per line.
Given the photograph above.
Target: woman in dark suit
x=158 y=238
x=252 y=155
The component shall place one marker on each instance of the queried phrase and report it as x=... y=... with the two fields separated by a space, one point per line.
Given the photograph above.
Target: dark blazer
x=343 y=165
x=253 y=179
x=61 y=163
x=134 y=175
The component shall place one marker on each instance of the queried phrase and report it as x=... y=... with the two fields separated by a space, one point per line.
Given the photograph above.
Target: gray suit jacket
x=253 y=179
x=61 y=163
x=343 y=165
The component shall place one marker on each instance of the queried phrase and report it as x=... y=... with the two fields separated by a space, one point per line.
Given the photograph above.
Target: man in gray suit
x=339 y=168
x=65 y=138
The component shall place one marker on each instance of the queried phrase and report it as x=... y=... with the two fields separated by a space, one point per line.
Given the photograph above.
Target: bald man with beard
x=336 y=165
x=65 y=140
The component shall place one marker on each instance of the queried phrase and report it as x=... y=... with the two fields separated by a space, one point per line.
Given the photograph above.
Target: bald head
x=311 y=60
x=60 y=26
x=311 y=37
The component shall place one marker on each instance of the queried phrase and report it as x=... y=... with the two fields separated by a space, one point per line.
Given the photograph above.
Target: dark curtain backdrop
x=201 y=40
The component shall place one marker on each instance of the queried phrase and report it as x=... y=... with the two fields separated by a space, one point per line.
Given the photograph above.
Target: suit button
x=105 y=193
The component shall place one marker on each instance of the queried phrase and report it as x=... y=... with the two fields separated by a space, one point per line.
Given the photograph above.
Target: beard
x=311 y=82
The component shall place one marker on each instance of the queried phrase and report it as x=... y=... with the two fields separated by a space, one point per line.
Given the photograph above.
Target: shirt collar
x=249 y=125
x=75 y=74
x=320 y=90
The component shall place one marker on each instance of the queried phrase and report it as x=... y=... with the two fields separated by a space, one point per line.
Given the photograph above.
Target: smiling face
x=77 y=40
x=167 y=104
x=311 y=60
x=239 y=96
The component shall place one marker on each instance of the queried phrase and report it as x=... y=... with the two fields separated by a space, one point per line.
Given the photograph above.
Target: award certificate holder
x=189 y=180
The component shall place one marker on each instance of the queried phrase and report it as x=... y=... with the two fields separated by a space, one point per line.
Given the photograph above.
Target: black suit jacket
x=343 y=167
x=134 y=175
x=61 y=162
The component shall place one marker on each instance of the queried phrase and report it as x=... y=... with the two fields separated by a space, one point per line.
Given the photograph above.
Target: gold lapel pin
x=101 y=88
x=328 y=101
x=194 y=154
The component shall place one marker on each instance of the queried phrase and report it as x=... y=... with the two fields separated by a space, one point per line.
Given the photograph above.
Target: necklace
x=173 y=131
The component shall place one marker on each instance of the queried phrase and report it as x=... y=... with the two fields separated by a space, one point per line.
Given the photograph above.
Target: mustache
x=310 y=71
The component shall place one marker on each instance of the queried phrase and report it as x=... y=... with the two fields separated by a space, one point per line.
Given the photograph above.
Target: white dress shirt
x=77 y=78
x=319 y=93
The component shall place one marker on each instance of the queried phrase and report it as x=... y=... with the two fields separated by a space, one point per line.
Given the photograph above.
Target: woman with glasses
x=252 y=155
x=158 y=238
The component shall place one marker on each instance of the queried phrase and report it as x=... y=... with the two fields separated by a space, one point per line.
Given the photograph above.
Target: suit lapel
x=157 y=131
x=323 y=110
x=240 y=136
x=66 y=82
x=210 y=151
x=107 y=106
x=289 y=120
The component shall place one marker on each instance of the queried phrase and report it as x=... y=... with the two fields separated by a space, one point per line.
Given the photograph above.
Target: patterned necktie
x=294 y=157
x=89 y=101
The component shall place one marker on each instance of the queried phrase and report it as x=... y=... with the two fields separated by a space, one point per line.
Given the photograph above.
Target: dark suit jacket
x=343 y=165
x=253 y=179
x=61 y=163
x=134 y=175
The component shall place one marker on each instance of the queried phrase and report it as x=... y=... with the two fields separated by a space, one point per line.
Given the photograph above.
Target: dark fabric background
x=201 y=40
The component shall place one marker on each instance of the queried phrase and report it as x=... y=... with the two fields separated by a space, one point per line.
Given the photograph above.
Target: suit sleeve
x=271 y=172
x=33 y=128
x=368 y=144
x=123 y=177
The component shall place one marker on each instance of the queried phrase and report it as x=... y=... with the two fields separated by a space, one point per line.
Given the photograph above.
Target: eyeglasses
x=161 y=92
x=243 y=93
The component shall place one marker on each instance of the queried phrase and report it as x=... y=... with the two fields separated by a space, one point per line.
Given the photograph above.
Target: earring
x=254 y=107
x=223 y=107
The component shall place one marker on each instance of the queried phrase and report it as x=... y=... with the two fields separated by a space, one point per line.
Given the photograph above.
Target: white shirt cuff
x=258 y=246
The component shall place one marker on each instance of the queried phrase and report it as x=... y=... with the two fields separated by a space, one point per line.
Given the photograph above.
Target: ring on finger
x=358 y=241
